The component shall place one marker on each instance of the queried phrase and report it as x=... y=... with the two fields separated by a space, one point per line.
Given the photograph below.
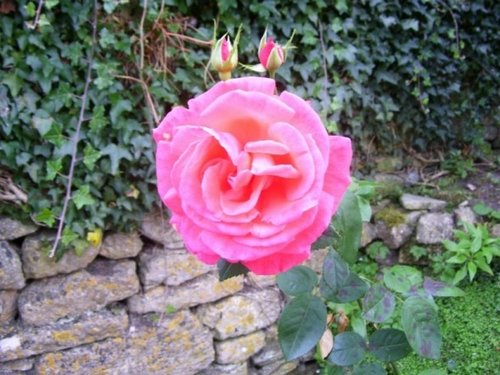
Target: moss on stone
x=391 y=217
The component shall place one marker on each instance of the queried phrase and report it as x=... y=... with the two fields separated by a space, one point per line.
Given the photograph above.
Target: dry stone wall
x=140 y=304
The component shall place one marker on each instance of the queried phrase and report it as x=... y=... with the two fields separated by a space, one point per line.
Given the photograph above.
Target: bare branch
x=76 y=136
x=38 y=14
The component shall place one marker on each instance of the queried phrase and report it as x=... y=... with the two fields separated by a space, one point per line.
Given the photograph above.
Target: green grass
x=471 y=333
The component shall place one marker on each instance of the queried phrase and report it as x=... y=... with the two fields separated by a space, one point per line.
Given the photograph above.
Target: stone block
x=11 y=229
x=36 y=261
x=8 y=305
x=103 y=357
x=91 y=326
x=241 y=314
x=16 y=367
x=121 y=245
x=203 y=289
x=103 y=282
x=417 y=202
x=157 y=228
x=433 y=228
x=239 y=349
x=176 y=344
x=158 y=265
x=11 y=273
x=233 y=369
x=465 y=214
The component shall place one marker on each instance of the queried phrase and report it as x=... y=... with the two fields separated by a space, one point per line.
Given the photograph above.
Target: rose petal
x=245 y=115
x=307 y=121
x=251 y=84
x=276 y=263
x=337 y=178
x=300 y=156
x=267 y=147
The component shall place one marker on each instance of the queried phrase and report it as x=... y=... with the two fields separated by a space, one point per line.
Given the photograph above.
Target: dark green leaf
x=115 y=154
x=228 y=270
x=389 y=344
x=335 y=271
x=301 y=325
x=402 y=278
x=347 y=226
x=53 y=168
x=352 y=289
x=378 y=304
x=299 y=279
x=90 y=156
x=440 y=289
x=421 y=326
x=348 y=348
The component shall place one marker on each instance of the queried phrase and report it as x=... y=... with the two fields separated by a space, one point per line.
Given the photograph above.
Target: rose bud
x=271 y=54
x=224 y=57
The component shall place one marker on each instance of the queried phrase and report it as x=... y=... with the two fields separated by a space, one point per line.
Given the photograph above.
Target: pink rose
x=250 y=176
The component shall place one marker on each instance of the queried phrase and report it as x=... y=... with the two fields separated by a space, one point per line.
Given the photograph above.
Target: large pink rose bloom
x=250 y=176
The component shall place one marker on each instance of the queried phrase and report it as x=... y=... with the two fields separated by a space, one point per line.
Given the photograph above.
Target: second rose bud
x=271 y=54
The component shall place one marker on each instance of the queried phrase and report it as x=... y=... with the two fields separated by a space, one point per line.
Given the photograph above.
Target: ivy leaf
x=98 y=120
x=118 y=109
x=82 y=197
x=299 y=279
x=301 y=325
x=228 y=270
x=420 y=323
x=14 y=83
x=79 y=246
x=348 y=348
x=347 y=225
x=53 y=167
x=68 y=236
x=378 y=304
x=54 y=135
x=115 y=154
x=46 y=216
x=389 y=344
x=90 y=156
x=42 y=122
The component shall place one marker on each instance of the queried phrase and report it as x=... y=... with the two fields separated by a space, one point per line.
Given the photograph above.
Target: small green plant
x=418 y=252
x=377 y=251
x=170 y=309
x=474 y=249
x=457 y=164
x=483 y=210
